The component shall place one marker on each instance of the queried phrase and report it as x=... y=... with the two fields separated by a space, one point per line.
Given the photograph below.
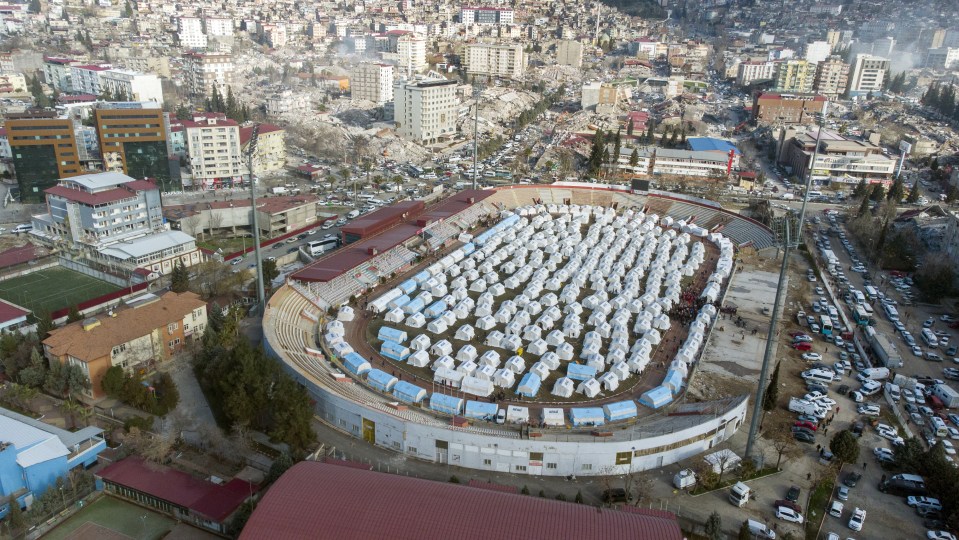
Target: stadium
x=526 y=329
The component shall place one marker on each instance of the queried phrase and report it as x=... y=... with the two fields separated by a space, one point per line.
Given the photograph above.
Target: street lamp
x=250 y=152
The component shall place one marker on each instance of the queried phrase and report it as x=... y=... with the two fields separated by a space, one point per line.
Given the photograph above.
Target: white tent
x=345 y=314
x=485 y=323
x=420 y=343
x=494 y=338
x=444 y=362
x=555 y=338
x=437 y=326
x=395 y=315
x=497 y=289
x=565 y=351
x=537 y=347
x=554 y=417
x=516 y=364
x=596 y=361
x=609 y=381
x=342 y=349
x=476 y=386
x=416 y=320
x=465 y=333
x=441 y=348
x=490 y=358
x=517 y=415
x=504 y=378
x=621 y=370
x=419 y=359
x=332 y=339
x=550 y=360
x=540 y=369
x=484 y=372
x=335 y=327
x=511 y=343
x=532 y=332
x=483 y=310
x=448 y=377
x=563 y=387
x=467 y=368
x=589 y=388
x=466 y=353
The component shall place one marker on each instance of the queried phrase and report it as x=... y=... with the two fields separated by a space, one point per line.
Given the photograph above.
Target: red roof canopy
x=347 y=503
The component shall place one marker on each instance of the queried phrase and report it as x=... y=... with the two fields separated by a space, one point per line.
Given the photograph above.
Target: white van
x=891 y=312
x=760 y=530
x=353 y=214
x=930 y=338
x=894 y=391
x=818 y=375
x=938 y=426
x=22 y=228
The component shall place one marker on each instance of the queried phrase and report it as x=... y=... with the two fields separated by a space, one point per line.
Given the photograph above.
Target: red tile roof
x=348 y=504
x=245 y=132
x=179 y=488
x=9 y=312
x=141 y=185
x=92 y=199
x=17 y=255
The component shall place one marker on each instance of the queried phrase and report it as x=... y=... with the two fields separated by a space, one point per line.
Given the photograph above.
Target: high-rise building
x=942 y=58
x=44 y=150
x=425 y=109
x=833 y=37
x=372 y=82
x=750 y=72
x=270 y=152
x=218 y=26
x=486 y=15
x=213 y=146
x=508 y=61
x=133 y=141
x=817 y=51
x=867 y=74
x=57 y=72
x=795 y=76
x=569 y=53
x=832 y=77
x=203 y=71
x=190 y=33
x=410 y=53
x=123 y=84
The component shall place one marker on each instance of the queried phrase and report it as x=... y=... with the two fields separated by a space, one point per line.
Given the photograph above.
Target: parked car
x=852 y=479
x=858 y=519
x=792 y=505
x=788 y=514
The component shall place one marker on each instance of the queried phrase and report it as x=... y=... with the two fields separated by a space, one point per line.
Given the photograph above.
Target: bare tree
x=784 y=445
x=214 y=222
x=192 y=224
x=642 y=486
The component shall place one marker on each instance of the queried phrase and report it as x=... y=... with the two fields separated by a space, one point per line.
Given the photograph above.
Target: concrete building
x=750 y=72
x=425 y=109
x=372 y=82
x=486 y=15
x=270 y=148
x=839 y=159
x=44 y=149
x=147 y=332
x=133 y=141
x=942 y=58
x=203 y=71
x=85 y=78
x=817 y=51
x=867 y=74
x=218 y=26
x=287 y=102
x=33 y=455
x=795 y=76
x=407 y=50
x=832 y=77
x=780 y=108
x=57 y=72
x=276 y=215
x=213 y=147
x=129 y=85
x=601 y=97
x=507 y=61
x=190 y=33
x=569 y=53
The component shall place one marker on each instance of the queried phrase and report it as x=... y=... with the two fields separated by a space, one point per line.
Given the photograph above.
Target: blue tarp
x=422 y=277
x=391 y=334
x=407 y=286
x=580 y=372
x=673 y=381
x=356 y=363
x=380 y=380
x=620 y=410
x=709 y=144
x=399 y=301
x=395 y=351
x=435 y=309
x=468 y=248
x=657 y=397
x=408 y=392
x=478 y=409
x=446 y=404
x=529 y=385
x=415 y=306
x=587 y=416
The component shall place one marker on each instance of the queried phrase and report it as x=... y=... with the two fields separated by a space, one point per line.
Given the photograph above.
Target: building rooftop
x=710 y=144
x=98 y=181
x=18 y=255
x=97 y=341
x=91 y=199
x=245 y=132
x=10 y=312
x=145 y=245
x=36 y=441
x=361 y=504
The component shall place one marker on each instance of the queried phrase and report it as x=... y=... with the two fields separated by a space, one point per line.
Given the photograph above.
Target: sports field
x=108 y=518
x=52 y=289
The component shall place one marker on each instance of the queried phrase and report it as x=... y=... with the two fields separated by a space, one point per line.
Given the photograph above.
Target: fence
x=28 y=268
x=114 y=279
x=101 y=302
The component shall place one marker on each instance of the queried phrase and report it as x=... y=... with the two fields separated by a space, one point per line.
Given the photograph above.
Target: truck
x=884 y=350
x=875 y=373
x=739 y=494
x=948 y=396
x=279 y=190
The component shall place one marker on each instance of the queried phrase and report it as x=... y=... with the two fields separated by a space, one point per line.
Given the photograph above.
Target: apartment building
x=288 y=102
x=218 y=26
x=750 y=72
x=839 y=159
x=213 y=147
x=507 y=61
x=43 y=149
x=270 y=152
x=129 y=85
x=132 y=140
x=795 y=76
x=150 y=331
x=832 y=77
x=190 y=33
x=486 y=15
x=867 y=74
x=56 y=72
x=569 y=53
x=425 y=109
x=817 y=51
x=942 y=58
x=773 y=108
x=85 y=78
x=673 y=162
x=203 y=71
x=276 y=216
x=372 y=82
x=410 y=53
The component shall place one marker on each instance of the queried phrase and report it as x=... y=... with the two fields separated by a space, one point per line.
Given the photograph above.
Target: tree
x=897 y=191
x=179 y=278
x=280 y=465
x=878 y=193
x=935 y=276
x=771 y=396
x=744 y=532
x=714 y=527
x=913 y=196
x=113 y=380
x=634 y=158
x=845 y=447
x=861 y=189
x=953 y=194
x=863 y=207
x=629 y=128
x=934 y=164
x=270 y=272
x=784 y=444
x=15 y=515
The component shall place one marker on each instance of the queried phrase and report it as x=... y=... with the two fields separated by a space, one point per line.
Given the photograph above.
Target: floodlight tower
x=250 y=153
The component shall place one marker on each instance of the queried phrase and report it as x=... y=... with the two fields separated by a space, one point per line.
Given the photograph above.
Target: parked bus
x=862 y=318
x=320 y=247
x=871 y=293
x=825 y=324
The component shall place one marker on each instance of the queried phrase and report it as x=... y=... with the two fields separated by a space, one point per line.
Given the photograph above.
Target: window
x=587 y=466
x=536 y=456
x=550 y=465
x=521 y=468
x=172 y=327
x=488 y=462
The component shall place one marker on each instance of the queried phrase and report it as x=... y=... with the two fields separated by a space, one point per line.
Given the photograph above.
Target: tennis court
x=52 y=289
x=112 y=519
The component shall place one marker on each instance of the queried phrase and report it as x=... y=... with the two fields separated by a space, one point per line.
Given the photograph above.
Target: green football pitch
x=108 y=518
x=52 y=289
